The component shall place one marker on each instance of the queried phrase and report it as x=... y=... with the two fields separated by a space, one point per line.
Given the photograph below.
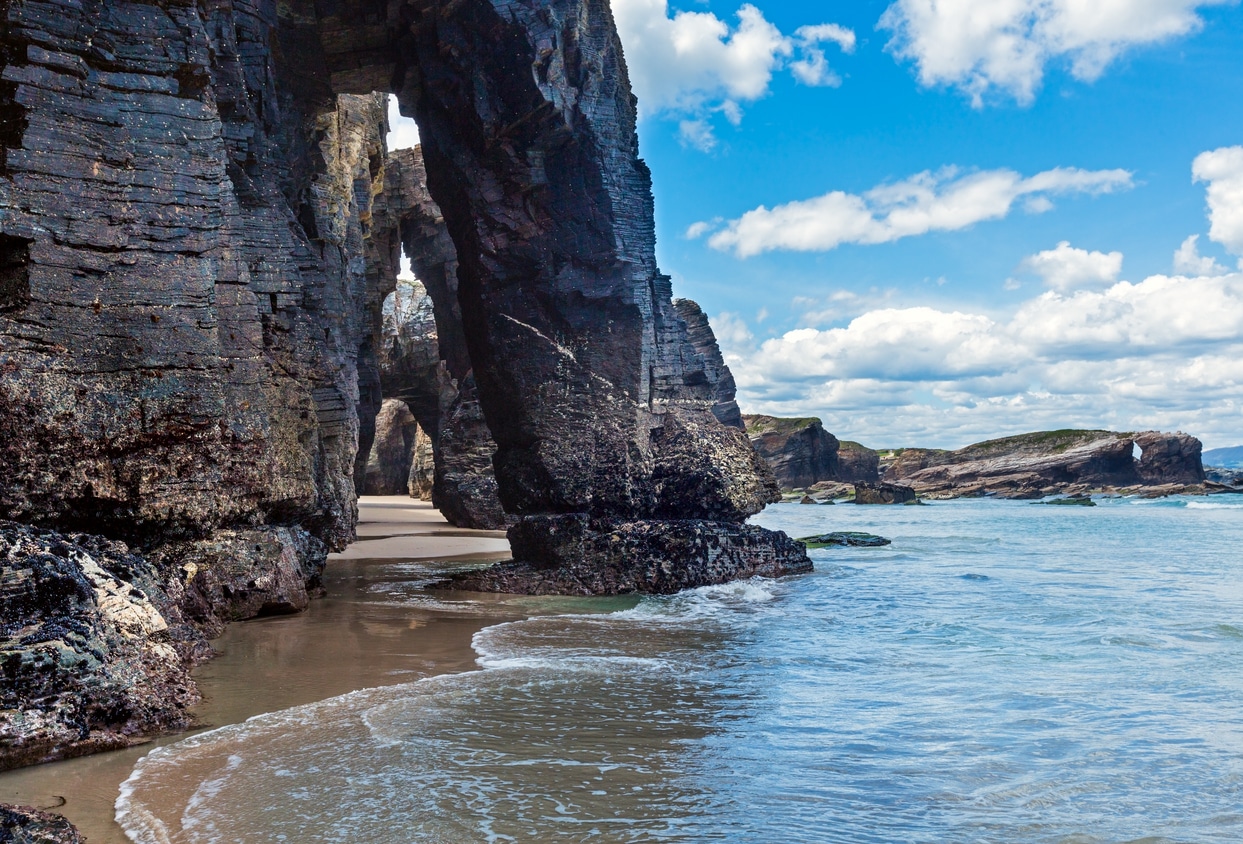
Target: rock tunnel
x=199 y=225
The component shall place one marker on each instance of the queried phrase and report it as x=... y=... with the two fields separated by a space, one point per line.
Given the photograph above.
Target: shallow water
x=1005 y=671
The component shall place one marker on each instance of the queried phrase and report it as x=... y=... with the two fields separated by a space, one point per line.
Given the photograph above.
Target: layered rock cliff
x=1050 y=462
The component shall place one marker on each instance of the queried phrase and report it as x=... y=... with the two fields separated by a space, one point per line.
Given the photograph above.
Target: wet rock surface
x=845 y=539
x=1055 y=462
x=95 y=650
x=574 y=555
x=24 y=825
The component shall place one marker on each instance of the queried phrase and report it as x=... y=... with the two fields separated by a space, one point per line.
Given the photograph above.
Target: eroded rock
x=24 y=825
x=94 y=648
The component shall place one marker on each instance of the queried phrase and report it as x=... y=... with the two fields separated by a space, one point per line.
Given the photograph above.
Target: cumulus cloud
x=1065 y=268
x=1166 y=352
x=1188 y=261
x=403 y=132
x=981 y=45
x=943 y=201
x=1222 y=169
x=696 y=64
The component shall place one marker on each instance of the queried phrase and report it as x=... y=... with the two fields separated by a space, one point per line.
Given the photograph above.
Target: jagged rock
x=465 y=489
x=94 y=649
x=857 y=463
x=884 y=493
x=422 y=476
x=717 y=374
x=1049 y=462
x=24 y=825
x=800 y=451
x=1169 y=458
x=392 y=452
x=572 y=555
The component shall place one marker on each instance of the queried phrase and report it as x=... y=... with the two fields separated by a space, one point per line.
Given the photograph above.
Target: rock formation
x=699 y=332
x=799 y=451
x=94 y=648
x=1050 y=462
x=199 y=226
x=884 y=493
x=24 y=825
x=392 y=452
x=857 y=463
x=422 y=475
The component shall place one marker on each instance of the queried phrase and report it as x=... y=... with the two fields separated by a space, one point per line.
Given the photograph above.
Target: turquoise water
x=1003 y=672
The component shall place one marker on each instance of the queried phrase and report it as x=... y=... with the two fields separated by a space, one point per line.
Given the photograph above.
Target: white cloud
x=1065 y=268
x=981 y=45
x=1222 y=169
x=403 y=132
x=942 y=201
x=694 y=63
x=1166 y=352
x=697 y=134
x=1188 y=261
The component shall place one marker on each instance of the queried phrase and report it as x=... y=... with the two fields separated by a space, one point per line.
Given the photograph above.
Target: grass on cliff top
x=851 y=445
x=780 y=425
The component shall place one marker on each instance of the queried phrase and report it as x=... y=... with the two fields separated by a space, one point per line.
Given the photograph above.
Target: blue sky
x=1034 y=285
x=933 y=222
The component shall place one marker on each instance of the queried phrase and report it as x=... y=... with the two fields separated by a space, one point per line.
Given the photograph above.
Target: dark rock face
x=717 y=374
x=24 y=825
x=884 y=493
x=1051 y=462
x=465 y=489
x=392 y=452
x=581 y=557
x=845 y=539
x=1170 y=458
x=857 y=463
x=800 y=451
x=194 y=258
x=422 y=475
x=94 y=648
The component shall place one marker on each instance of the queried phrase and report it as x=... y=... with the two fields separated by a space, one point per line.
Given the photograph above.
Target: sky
x=933 y=222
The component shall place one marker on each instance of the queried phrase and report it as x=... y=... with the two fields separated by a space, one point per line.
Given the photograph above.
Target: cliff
x=802 y=453
x=1050 y=462
x=199 y=227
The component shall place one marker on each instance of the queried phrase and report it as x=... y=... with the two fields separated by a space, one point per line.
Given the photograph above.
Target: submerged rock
x=574 y=555
x=884 y=493
x=1072 y=500
x=845 y=538
x=94 y=649
x=24 y=825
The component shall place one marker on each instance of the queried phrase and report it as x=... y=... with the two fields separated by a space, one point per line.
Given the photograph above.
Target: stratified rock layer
x=1051 y=462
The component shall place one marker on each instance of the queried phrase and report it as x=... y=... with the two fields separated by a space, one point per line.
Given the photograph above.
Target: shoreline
x=363 y=634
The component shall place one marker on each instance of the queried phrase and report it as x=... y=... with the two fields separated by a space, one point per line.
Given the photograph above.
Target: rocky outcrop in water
x=24 y=825
x=95 y=649
x=1053 y=462
x=884 y=493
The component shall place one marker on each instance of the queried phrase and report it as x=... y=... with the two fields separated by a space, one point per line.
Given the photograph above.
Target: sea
x=1002 y=672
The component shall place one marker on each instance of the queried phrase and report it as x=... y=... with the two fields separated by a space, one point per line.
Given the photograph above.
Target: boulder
x=95 y=651
x=24 y=825
x=884 y=493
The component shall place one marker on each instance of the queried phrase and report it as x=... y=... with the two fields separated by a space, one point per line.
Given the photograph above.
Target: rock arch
x=193 y=349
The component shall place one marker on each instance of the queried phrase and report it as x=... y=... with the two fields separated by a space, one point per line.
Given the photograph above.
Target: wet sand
x=371 y=630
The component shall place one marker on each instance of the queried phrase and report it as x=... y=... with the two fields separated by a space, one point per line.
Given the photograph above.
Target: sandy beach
x=365 y=633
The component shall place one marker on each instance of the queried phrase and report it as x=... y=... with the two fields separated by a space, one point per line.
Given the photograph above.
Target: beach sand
x=371 y=630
